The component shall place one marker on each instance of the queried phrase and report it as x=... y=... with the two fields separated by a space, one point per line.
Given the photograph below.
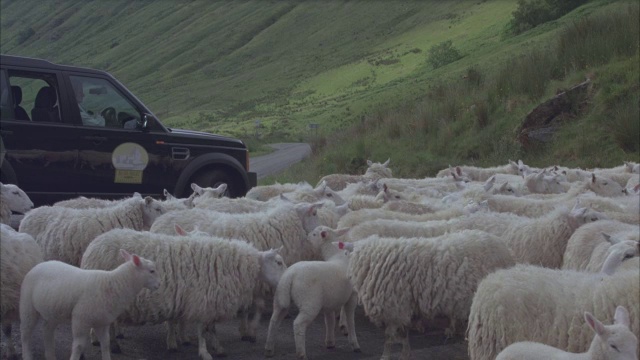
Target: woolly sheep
x=266 y=192
x=57 y=292
x=18 y=254
x=64 y=233
x=530 y=303
x=83 y=202
x=189 y=292
x=356 y=217
x=611 y=342
x=320 y=192
x=542 y=183
x=204 y=195
x=587 y=248
x=482 y=174
x=283 y=225
x=314 y=287
x=12 y=198
x=374 y=171
x=398 y=279
x=173 y=203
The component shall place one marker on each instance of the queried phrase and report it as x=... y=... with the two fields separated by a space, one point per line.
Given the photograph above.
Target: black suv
x=71 y=131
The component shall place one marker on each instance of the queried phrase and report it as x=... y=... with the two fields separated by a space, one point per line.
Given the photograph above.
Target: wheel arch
x=210 y=162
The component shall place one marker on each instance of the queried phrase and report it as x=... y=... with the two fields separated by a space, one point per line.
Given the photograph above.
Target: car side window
x=34 y=96
x=101 y=104
x=6 y=109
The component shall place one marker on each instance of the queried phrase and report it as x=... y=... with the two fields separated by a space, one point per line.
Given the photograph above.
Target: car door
x=40 y=146
x=116 y=158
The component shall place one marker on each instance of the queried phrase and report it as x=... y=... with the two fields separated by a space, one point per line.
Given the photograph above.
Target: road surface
x=286 y=154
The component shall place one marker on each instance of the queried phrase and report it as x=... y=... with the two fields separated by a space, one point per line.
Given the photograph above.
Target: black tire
x=216 y=177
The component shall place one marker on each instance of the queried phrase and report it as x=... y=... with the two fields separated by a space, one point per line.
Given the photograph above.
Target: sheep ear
x=136 y=260
x=621 y=316
x=284 y=198
x=503 y=186
x=610 y=238
x=595 y=324
x=520 y=162
x=342 y=231
x=593 y=177
x=166 y=194
x=197 y=189
x=386 y=163
x=458 y=171
x=179 y=230
x=222 y=188
x=148 y=200
x=125 y=255
x=369 y=162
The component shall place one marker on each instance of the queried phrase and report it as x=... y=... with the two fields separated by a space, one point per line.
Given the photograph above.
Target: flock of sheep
x=527 y=262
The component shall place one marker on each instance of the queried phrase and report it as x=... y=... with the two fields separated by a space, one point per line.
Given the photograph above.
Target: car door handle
x=95 y=139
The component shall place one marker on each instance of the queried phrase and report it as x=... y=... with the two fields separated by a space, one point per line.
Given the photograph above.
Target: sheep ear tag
x=340 y=245
x=323 y=234
x=136 y=260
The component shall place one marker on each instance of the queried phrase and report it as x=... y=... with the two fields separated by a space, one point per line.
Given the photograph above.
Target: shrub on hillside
x=531 y=13
x=24 y=35
x=443 y=54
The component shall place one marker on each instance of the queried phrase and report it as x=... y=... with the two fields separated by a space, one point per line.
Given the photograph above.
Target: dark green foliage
x=443 y=54
x=531 y=13
x=24 y=35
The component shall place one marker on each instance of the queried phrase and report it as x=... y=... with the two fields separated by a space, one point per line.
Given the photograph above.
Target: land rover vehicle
x=52 y=153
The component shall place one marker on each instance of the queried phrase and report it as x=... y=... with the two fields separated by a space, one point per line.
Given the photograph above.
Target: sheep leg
x=28 y=319
x=172 y=344
x=103 y=336
x=49 y=340
x=343 y=322
x=330 y=329
x=80 y=338
x=251 y=327
x=181 y=335
x=300 y=324
x=276 y=319
x=93 y=337
x=217 y=347
x=349 y=310
x=117 y=330
x=202 y=344
x=451 y=330
x=113 y=344
x=6 y=330
x=404 y=340
x=391 y=333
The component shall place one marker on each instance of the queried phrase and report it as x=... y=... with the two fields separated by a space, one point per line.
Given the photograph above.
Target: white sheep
x=64 y=233
x=399 y=279
x=57 y=293
x=173 y=203
x=266 y=192
x=482 y=174
x=543 y=183
x=314 y=287
x=531 y=303
x=18 y=254
x=204 y=195
x=374 y=171
x=204 y=279
x=283 y=225
x=12 y=198
x=587 y=248
x=610 y=342
x=83 y=202
x=320 y=192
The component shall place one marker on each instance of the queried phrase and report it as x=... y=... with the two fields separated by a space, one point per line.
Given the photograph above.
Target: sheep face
x=583 y=216
x=308 y=213
x=323 y=191
x=606 y=187
x=145 y=270
x=151 y=210
x=324 y=234
x=272 y=266
x=615 y=341
x=16 y=199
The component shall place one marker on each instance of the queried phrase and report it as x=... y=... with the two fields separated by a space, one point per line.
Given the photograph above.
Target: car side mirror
x=145 y=122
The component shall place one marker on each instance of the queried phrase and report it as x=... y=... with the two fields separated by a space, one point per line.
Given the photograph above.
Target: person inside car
x=88 y=117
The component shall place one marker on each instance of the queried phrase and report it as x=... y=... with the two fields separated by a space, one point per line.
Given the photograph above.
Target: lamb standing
x=315 y=286
x=610 y=342
x=57 y=293
x=19 y=253
x=374 y=171
x=12 y=198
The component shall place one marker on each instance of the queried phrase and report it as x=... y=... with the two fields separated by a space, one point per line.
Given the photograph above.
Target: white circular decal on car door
x=129 y=159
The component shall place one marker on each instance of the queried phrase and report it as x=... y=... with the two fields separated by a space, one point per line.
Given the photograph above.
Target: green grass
x=359 y=70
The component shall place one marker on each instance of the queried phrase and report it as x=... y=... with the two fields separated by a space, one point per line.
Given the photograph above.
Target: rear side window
x=35 y=96
x=6 y=109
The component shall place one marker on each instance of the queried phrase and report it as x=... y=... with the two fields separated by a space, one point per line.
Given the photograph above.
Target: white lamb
x=319 y=193
x=530 y=303
x=204 y=279
x=283 y=225
x=543 y=183
x=374 y=171
x=610 y=342
x=266 y=192
x=18 y=254
x=57 y=293
x=12 y=198
x=314 y=287
x=587 y=248
x=83 y=202
x=204 y=195
x=399 y=279
x=64 y=233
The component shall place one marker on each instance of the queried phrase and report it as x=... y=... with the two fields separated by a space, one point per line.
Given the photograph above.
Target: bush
x=443 y=54
x=24 y=35
x=531 y=13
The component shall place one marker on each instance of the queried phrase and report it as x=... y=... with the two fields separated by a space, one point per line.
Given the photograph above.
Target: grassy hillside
x=359 y=69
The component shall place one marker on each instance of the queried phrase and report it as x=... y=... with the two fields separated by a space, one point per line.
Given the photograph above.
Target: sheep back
x=530 y=303
x=399 y=278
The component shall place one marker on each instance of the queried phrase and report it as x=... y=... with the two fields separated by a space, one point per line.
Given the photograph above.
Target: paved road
x=148 y=342
x=286 y=154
